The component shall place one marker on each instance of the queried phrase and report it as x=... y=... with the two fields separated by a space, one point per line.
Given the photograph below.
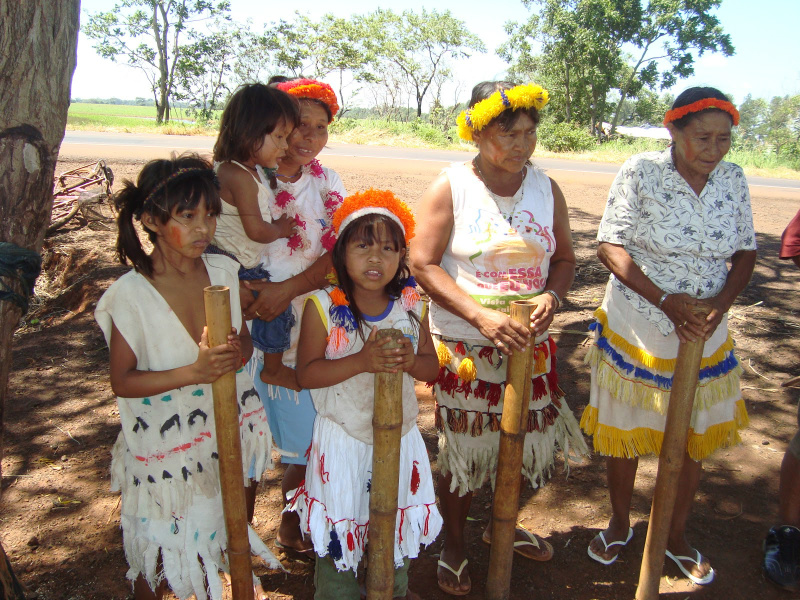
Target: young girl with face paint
x=165 y=460
x=338 y=354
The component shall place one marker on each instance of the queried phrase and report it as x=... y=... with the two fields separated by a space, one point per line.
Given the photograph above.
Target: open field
x=141 y=119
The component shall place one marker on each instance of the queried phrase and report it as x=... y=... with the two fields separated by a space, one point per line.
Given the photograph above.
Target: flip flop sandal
x=449 y=590
x=306 y=554
x=533 y=540
x=606 y=546
x=709 y=577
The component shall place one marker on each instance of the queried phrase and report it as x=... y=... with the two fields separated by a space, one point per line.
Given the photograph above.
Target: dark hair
x=276 y=79
x=319 y=102
x=369 y=228
x=163 y=186
x=252 y=112
x=693 y=94
x=508 y=118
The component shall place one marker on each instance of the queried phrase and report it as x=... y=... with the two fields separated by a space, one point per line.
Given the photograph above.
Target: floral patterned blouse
x=679 y=240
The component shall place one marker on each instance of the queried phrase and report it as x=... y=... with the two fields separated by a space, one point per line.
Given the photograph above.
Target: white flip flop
x=698 y=580
x=449 y=590
x=608 y=561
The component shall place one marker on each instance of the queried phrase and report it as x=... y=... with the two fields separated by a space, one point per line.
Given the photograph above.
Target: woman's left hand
x=272 y=300
x=543 y=314
x=718 y=309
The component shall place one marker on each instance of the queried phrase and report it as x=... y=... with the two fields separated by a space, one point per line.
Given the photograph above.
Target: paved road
x=146 y=146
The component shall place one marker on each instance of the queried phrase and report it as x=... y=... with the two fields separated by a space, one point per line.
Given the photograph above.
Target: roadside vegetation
x=556 y=140
x=602 y=63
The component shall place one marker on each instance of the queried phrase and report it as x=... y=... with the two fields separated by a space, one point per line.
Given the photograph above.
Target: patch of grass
x=132 y=119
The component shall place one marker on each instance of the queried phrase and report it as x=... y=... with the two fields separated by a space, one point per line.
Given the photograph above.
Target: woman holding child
x=310 y=194
x=493 y=230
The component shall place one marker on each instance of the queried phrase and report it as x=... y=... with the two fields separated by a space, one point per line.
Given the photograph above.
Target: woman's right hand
x=506 y=334
x=688 y=325
x=286 y=226
x=213 y=363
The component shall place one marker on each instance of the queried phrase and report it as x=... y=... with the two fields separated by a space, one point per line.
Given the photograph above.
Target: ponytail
x=129 y=203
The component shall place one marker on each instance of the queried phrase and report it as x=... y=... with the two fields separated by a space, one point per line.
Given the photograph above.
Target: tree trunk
x=38 y=43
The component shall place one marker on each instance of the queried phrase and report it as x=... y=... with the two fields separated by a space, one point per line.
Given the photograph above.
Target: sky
x=765 y=34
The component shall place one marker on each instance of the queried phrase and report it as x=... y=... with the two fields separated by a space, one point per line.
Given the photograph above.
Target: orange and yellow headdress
x=480 y=115
x=371 y=201
x=311 y=88
x=705 y=104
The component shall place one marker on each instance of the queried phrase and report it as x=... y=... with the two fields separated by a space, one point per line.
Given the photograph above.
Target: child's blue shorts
x=271 y=337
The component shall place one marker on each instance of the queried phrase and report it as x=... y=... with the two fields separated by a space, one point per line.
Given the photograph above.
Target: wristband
x=554 y=295
x=661 y=300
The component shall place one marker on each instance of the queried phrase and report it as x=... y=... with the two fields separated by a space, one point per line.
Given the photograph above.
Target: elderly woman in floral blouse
x=672 y=222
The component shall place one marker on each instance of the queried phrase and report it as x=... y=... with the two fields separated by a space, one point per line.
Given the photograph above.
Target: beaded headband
x=700 y=105
x=479 y=116
x=381 y=202
x=311 y=88
x=176 y=176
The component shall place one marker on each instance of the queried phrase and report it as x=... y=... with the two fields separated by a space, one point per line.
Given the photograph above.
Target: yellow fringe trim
x=649 y=396
x=620 y=443
x=650 y=361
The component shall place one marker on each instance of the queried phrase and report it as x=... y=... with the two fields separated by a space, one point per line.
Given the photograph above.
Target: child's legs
x=142 y=591
x=332 y=584
x=273 y=338
x=401 y=579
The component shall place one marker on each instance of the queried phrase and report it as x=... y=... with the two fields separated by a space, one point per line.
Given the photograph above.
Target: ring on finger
x=684 y=323
x=258 y=314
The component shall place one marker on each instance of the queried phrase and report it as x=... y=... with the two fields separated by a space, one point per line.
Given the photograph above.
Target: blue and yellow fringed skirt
x=632 y=365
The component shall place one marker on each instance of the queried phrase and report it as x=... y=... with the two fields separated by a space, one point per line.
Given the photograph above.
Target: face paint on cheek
x=175 y=235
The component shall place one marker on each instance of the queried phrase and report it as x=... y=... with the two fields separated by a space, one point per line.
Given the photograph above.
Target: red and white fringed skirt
x=633 y=365
x=333 y=502
x=469 y=404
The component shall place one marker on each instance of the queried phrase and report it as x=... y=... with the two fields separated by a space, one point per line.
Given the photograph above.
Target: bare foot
x=284 y=377
x=616 y=537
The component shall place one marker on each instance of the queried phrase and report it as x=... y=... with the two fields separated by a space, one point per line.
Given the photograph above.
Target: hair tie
x=177 y=175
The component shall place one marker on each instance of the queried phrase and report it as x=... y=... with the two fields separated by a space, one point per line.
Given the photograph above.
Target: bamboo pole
x=387 y=422
x=229 y=447
x=509 y=460
x=670 y=463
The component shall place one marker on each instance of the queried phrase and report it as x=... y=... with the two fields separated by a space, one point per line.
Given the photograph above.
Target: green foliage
x=415 y=48
x=147 y=35
x=585 y=45
x=565 y=137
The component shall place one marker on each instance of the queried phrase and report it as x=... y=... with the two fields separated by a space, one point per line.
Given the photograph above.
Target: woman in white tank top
x=493 y=230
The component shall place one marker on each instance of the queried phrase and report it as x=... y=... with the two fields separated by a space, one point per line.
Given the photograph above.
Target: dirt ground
x=59 y=523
